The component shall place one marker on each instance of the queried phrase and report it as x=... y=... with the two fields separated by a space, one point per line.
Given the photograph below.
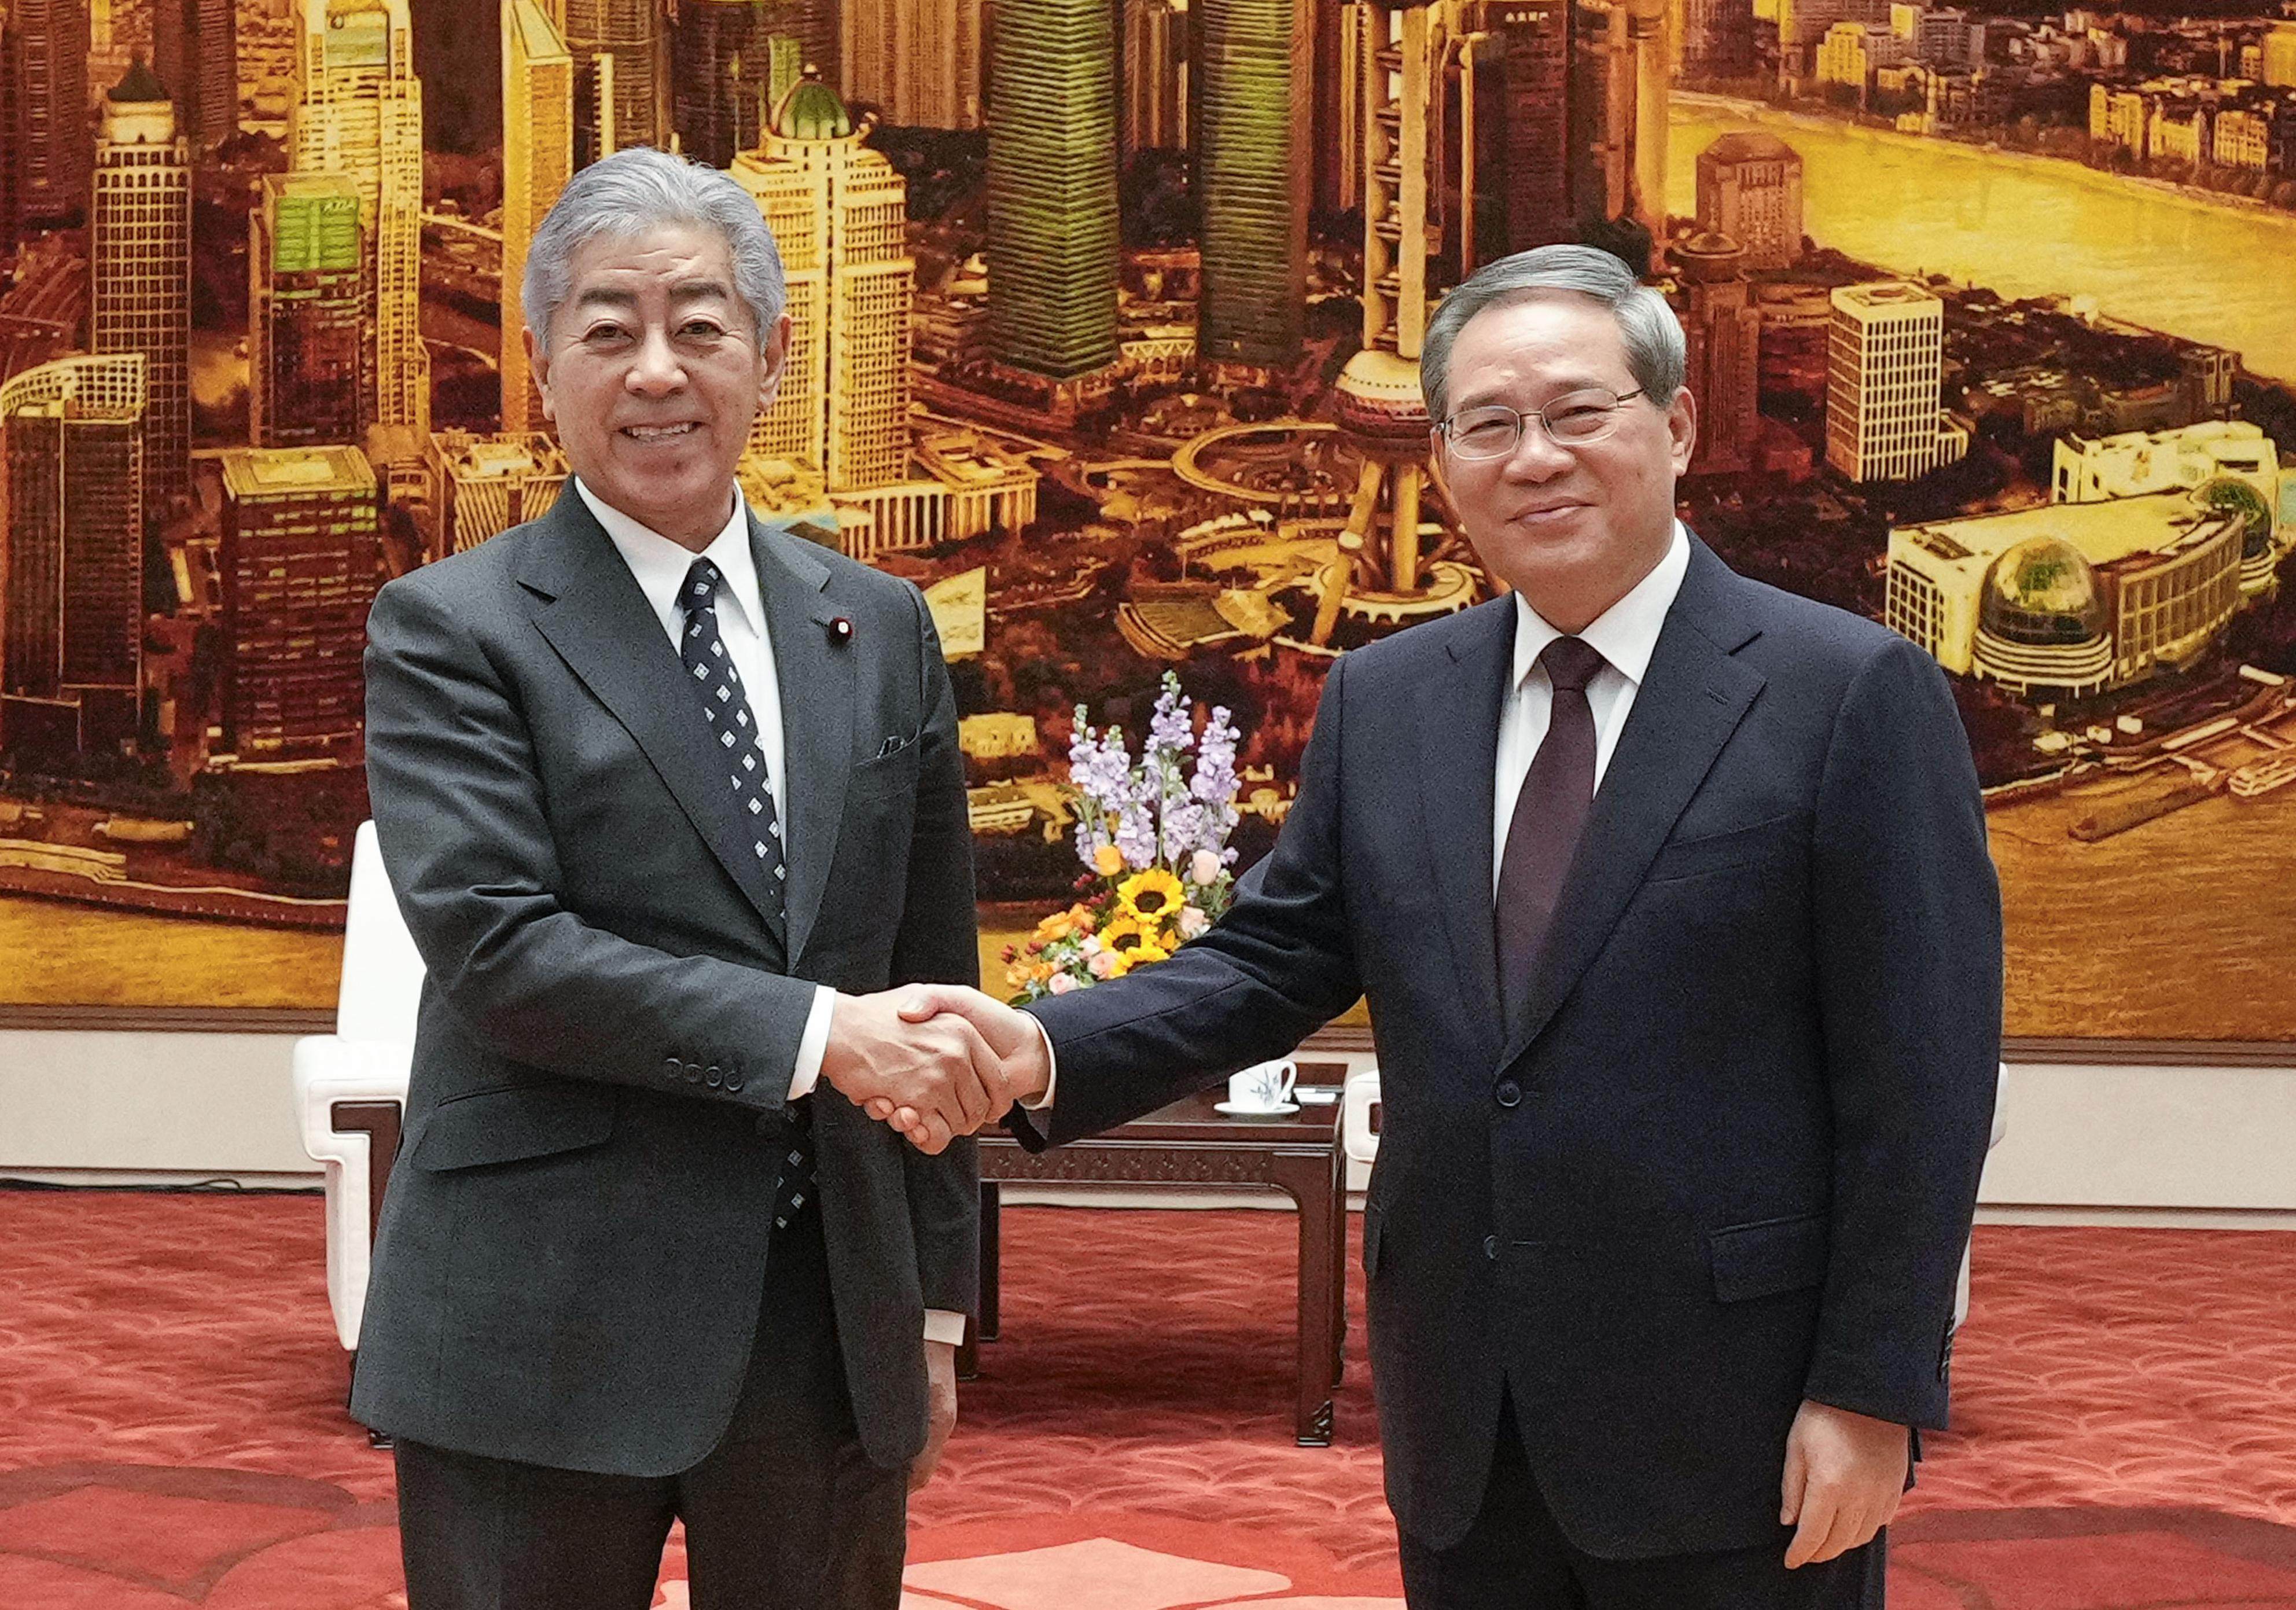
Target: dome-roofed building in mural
x=2042 y=619
x=2072 y=600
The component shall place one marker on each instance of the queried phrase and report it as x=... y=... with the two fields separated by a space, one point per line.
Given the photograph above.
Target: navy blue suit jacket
x=1730 y=1159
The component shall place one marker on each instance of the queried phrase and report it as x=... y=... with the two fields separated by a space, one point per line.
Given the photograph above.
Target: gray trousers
x=786 y=1513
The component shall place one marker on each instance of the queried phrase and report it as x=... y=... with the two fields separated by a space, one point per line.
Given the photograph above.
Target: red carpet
x=171 y=1430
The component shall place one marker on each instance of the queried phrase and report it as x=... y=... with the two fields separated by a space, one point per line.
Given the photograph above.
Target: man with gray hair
x=1670 y=896
x=666 y=794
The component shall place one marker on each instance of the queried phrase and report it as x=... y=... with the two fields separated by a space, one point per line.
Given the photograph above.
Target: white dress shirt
x=659 y=567
x=1626 y=635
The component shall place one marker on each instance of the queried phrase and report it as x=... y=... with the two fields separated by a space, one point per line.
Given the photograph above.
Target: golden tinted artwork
x=1108 y=319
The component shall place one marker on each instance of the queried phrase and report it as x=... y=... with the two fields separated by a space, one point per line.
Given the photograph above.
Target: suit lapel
x=1459 y=756
x=1692 y=699
x=591 y=611
x=815 y=666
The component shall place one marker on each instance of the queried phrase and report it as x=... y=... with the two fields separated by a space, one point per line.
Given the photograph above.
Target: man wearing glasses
x=1671 y=897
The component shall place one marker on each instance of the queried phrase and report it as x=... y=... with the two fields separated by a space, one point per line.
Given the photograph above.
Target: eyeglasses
x=1572 y=420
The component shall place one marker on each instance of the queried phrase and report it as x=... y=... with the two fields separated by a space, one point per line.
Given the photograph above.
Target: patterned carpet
x=171 y=1430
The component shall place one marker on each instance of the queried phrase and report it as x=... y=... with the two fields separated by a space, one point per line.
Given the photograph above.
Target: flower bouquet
x=1155 y=845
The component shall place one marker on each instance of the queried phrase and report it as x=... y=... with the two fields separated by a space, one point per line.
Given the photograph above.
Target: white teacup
x=1263 y=1087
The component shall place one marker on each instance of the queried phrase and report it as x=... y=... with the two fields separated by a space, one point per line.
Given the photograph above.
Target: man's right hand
x=941 y=1069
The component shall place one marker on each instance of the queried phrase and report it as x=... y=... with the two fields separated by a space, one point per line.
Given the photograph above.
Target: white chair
x=1359 y=1116
x=351 y=1086
x=1359 y=1135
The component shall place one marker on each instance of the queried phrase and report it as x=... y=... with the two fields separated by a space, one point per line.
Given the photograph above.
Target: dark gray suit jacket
x=1730 y=1161
x=572 y=1249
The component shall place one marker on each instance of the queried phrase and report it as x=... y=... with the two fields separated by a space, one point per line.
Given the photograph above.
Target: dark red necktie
x=1549 y=813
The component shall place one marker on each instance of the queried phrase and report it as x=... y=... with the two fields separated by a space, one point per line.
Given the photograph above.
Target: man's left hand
x=940 y=1389
x=1845 y=1476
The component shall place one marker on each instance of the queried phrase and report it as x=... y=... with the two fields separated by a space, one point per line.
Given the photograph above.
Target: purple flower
x=1149 y=811
x=1172 y=729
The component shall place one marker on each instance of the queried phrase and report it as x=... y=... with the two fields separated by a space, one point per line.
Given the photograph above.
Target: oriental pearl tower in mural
x=1382 y=565
x=1413 y=103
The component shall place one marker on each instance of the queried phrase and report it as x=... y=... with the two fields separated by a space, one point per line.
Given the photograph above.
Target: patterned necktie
x=727 y=707
x=1549 y=813
x=702 y=651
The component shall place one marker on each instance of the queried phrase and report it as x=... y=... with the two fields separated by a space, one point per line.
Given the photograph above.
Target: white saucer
x=1233 y=1110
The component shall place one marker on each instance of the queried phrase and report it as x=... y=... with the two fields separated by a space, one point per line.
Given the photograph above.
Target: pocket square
x=893 y=744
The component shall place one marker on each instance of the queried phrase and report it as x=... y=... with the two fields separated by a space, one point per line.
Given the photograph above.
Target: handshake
x=934 y=1061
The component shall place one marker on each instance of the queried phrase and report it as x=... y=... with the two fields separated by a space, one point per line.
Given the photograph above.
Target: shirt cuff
x=1052 y=1071
x=945 y=1325
x=812 y=1045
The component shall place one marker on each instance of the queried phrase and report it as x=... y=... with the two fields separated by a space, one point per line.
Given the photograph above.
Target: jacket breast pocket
x=511 y=1125
x=886 y=775
x=1769 y=1257
x=1771 y=839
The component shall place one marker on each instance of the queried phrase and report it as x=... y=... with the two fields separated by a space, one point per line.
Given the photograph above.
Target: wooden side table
x=1189 y=1144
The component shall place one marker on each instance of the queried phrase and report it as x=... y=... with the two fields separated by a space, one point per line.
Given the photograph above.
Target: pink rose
x=1103 y=962
x=1192 y=922
x=1204 y=869
x=1061 y=983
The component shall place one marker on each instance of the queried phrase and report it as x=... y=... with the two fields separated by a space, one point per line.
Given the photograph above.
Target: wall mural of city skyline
x=1107 y=321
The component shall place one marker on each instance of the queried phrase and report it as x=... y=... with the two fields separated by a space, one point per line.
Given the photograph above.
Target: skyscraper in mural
x=358 y=112
x=140 y=257
x=719 y=62
x=298 y=556
x=918 y=59
x=1255 y=171
x=1722 y=333
x=1051 y=186
x=1884 y=364
x=1155 y=77
x=196 y=51
x=838 y=209
x=71 y=547
x=1750 y=189
x=47 y=145
x=617 y=60
x=537 y=160
x=307 y=345
x=1529 y=196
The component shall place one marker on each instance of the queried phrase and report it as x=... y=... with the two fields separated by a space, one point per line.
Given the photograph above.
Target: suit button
x=693 y=1072
x=1490 y=1246
x=714 y=1076
x=733 y=1081
x=1508 y=1092
x=673 y=1068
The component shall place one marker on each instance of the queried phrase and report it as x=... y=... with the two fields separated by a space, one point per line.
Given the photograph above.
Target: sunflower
x=1124 y=933
x=1154 y=897
x=1139 y=955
